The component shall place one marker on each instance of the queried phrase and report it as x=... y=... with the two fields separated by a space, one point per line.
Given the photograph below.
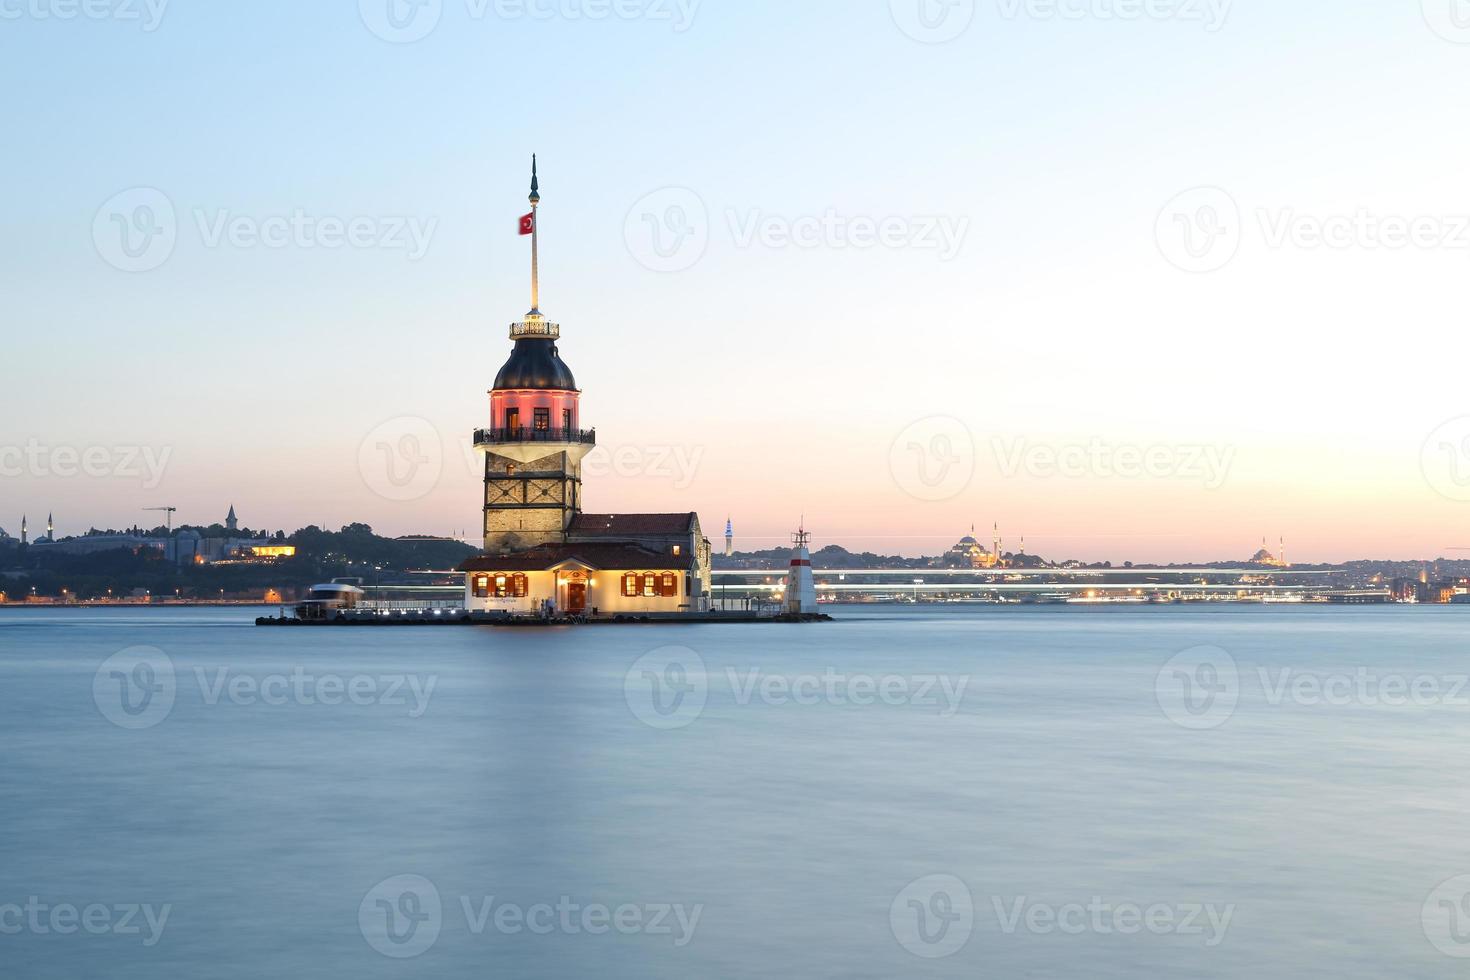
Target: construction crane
x=170 y=518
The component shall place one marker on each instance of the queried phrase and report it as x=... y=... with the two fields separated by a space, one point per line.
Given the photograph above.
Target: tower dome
x=535 y=364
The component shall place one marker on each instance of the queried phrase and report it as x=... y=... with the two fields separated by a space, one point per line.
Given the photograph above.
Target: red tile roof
x=604 y=557
x=611 y=525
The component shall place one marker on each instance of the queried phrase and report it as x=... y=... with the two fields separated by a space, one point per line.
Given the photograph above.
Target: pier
x=463 y=617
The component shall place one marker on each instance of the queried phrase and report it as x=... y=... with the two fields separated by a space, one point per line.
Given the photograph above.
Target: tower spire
x=535 y=238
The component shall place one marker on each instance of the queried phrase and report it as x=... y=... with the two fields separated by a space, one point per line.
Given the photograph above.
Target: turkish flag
x=528 y=223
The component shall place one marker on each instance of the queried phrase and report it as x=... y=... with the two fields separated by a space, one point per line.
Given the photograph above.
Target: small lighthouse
x=801 y=590
x=729 y=537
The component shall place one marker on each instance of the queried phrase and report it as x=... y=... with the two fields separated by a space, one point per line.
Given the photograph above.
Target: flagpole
x=535 y=243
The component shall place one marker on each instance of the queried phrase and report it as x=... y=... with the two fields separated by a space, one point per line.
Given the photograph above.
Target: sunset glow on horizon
x=1051 y=296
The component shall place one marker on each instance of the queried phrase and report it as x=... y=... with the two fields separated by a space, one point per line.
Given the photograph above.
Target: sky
x=1136 y=281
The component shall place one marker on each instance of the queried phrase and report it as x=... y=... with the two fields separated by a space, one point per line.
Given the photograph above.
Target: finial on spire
x=535 y=241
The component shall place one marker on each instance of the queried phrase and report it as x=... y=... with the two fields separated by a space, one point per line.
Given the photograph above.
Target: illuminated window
x=678 y=550
x=482 y=586
x=630 y=585
x=543 y=419
x=670 y=589
x=650 y=586
x=566 y=419
x=505 y=586
x=513 y=418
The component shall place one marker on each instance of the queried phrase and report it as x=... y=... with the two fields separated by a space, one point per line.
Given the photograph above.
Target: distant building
x=968 y=552
x=92 y=544
x=1264 y=556
x=1425 y=592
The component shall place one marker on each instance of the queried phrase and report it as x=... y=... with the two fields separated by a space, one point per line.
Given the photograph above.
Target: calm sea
x=944 y=791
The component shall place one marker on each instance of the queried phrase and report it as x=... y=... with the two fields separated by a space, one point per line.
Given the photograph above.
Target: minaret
x=50 y=528
x=729 y=538
x=535 y=444
x=25 y=535
x=231 y=524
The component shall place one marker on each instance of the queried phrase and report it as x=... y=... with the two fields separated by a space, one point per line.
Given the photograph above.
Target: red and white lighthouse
x=801 y=588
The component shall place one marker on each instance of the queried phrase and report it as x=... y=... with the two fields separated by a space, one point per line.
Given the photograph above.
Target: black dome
x=536 y=364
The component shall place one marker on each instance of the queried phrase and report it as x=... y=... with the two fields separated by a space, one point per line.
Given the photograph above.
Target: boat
x=330 y=600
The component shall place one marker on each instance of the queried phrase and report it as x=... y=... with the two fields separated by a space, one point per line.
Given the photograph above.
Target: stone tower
x=535 y=445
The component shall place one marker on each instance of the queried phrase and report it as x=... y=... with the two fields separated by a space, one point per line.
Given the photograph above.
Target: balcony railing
x=502 y=437
x=532 y=327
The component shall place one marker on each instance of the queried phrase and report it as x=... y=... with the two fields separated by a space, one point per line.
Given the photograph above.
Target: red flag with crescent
x=528 y=223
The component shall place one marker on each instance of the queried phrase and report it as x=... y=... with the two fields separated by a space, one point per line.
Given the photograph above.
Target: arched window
x=502 y=585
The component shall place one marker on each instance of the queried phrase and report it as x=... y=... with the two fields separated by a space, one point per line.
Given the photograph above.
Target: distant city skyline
x=1138 y=289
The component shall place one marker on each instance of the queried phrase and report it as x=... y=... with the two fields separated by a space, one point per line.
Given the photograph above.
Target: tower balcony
x=535 y=326
x=528 y=444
